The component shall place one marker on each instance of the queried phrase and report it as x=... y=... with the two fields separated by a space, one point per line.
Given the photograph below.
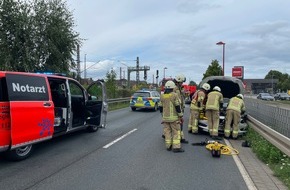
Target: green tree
x=110 y=82
x=213 y=70
x=283 y=80
x=15 y=35
x=37 y=36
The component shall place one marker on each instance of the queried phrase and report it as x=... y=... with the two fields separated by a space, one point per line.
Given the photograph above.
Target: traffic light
x=157 y=73
x=145 y=75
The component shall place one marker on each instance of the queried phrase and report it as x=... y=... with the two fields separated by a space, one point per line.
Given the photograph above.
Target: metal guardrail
x=272 y=114
x=270 y=121
x=275 y=138
x=117 y=100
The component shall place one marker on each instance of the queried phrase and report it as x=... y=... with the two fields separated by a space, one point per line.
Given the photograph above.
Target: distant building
x=256 y=86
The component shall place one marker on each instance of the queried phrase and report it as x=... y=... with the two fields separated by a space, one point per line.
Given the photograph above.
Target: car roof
x=147 y=90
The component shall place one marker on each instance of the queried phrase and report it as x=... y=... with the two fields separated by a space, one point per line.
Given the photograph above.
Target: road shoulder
x=261 y=175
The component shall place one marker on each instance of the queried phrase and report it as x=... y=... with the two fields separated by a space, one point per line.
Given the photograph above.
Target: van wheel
x=19 y=154
x=92 y=128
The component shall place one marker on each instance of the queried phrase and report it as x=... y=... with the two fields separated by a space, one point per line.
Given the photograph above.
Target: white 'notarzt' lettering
x=26 y=88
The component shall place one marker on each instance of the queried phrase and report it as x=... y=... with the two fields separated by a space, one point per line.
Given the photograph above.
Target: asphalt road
x=128 y=154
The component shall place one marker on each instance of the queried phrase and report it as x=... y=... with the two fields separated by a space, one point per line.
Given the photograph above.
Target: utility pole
x=157 y=76
x=272 y=84
x=85 y=69
x=78 y=63
x=137 y=69
x=120 y=73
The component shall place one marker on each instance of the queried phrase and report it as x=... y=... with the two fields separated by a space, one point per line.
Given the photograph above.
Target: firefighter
x=179 y=80
x=171 y=117
x=213 y=104
x=196 y=107
x=235 y=108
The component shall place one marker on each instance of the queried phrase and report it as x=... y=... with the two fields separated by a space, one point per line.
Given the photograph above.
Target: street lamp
x=272 y=84
x=164 y=72
x=223 y=44
x=85 y=67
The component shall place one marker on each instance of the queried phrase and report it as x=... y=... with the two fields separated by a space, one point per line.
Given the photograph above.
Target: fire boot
x=177 y=150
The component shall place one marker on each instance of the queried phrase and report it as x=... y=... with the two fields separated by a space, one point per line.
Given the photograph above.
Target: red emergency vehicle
x=188 y=89
x=162 y=84
x=37 y=107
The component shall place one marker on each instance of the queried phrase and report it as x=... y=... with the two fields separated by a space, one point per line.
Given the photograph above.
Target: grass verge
x=277 y=161
x=118 y=105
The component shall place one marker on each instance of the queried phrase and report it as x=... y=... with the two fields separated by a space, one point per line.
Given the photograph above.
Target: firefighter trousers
x=193 y=121
x=233 y=117
x=213 y=120
x=171 y=131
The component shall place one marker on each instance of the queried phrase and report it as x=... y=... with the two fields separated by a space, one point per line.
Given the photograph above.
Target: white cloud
x=182 y=35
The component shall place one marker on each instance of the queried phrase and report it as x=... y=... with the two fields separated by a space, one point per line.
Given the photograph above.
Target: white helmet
x=216 y=88
x=240 y=96
x=206 y=86
x=170 y=85
x=180 y=78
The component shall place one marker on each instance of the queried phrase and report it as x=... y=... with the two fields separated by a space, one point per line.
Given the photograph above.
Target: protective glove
x=181 y=120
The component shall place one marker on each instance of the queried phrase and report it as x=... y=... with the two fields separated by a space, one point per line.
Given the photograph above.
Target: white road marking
x=120 y=138
x=244 y=173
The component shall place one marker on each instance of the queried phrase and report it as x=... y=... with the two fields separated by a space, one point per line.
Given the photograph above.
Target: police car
x=145 y=99
x=37 y=107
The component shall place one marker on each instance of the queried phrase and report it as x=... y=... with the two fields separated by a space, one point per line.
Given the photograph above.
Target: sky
x=181 y=35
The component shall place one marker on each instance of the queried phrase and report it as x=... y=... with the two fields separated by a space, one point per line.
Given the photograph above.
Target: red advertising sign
x=237 y=72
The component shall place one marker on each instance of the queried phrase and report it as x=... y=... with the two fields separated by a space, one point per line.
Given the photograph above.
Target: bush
x=270 y=155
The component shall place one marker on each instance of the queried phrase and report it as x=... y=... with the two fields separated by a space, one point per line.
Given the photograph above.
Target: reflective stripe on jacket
x=236 y=104
x=180 y=97
x=214 y=99
x=169 y=102
x=198 y=97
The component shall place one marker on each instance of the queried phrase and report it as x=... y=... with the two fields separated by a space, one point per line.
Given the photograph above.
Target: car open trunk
x=230 y=86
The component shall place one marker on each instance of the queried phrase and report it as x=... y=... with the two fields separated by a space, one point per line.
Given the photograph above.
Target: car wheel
x=133 y=109
x=19 y=153
x=92 y=128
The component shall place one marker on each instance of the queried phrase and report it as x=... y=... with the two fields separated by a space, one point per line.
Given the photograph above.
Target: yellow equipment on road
x=217 y=149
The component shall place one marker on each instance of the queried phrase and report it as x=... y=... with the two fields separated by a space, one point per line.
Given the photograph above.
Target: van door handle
x=47 y=104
